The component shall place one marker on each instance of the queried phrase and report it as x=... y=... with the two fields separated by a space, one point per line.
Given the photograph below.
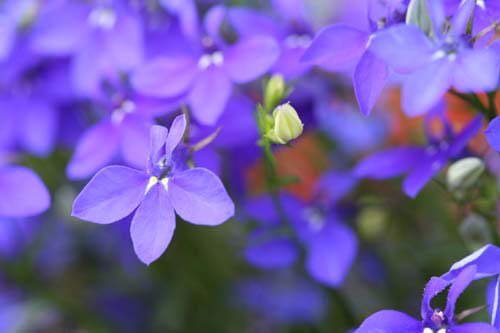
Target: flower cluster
x=285 y=123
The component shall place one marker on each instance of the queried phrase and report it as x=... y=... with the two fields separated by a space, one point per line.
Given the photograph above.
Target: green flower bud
x=287 y=124
x=475 y=231
x=464 y=173
x=275 y=91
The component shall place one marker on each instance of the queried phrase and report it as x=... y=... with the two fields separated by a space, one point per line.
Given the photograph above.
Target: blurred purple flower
x=115 y=192
x=420 y=163
x=437 y=63
x=433 y=319
x=207 y=74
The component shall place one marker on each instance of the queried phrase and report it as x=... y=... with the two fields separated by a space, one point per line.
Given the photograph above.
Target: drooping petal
x=94 y=150
x=477 y=70
x=369 y=79
x=250 y=58
x=493 y=301
x=165 y=77
x=331 y=253
x=111 y=195
x=199 y=197
x=175 y=134
x=424 y=88
x=403 y=47
x=389 y=163
x=486 y=260
x=458 y=286
x=492 y=133
x=389 y=321
x=462 y=16
x=335 y=46
x=213 y=21
x=22 y=192
x=209 y=95
x=422 y=173
x=153 y=225
x=432 y=289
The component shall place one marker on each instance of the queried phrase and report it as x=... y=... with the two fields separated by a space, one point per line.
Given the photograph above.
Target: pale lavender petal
x=493 y=133
x=213 y=21
x=175 y=134
x=209 y=95
x=94 y=150
x=165 y=77
x=89 y=66
x=22 y=193
x=293 y=10
x=423 y=89
x=153 y=225
x=7 y=37
x=330 y=254
x=111 y=195
x=124 y=45
x=402 y=47
x=335 y=46
x=422 y=173
x=199 y=197
x=477 y=70
x=369 y=79
x=250 y=58
x=134 y=141
x=389 y=163
x=461 y=283
x=39 y=129
x=248 y=22
x=389 y=321
x=158 y=138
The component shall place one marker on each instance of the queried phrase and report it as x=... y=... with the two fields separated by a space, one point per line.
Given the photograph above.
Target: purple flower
x=207 y=74
x=435 y=64
x=22 y=192
x=337 y=46
x=103 y=40
x=434 y=320
x=196 y=195
x=419 y=163
x=492 y=133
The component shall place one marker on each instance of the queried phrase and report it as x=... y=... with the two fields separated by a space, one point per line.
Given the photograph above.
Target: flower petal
x=134 y=141
x=369 y=79
x=389 y=321
x=424 y=88
x=209 y=95
x=94 y=150
x=477 y=71
x=492 y=133
x=473 y=328
x=331 y=253
x=199 y=197
x=111 y=195
x=177 y=130
x=153 y=225
x=335 y=46
x=422 y=173
x=22 y=192
x=389 y=163
x=165 y=77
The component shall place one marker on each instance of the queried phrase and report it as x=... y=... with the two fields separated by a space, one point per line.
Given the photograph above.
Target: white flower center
x=104 y=18
x=127 y=107
x=206 y=60
x=428 y=330
x=298 y=41
x=154 y=180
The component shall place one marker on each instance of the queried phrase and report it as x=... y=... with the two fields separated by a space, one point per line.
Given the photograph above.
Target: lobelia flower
x=103 y=40
x=330 y=245
x=434 y=64
x=339 y=45
x=487 y=263
x=207 y=74
x=122 y=131
x=167 y=186
x=434 y=320
x=419 y=163
x=22 y=192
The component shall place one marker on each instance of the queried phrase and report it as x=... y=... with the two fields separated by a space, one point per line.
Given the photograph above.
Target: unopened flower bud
x=275 y=91
x=475 y=231
x=464 y=173
x=287 y=124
